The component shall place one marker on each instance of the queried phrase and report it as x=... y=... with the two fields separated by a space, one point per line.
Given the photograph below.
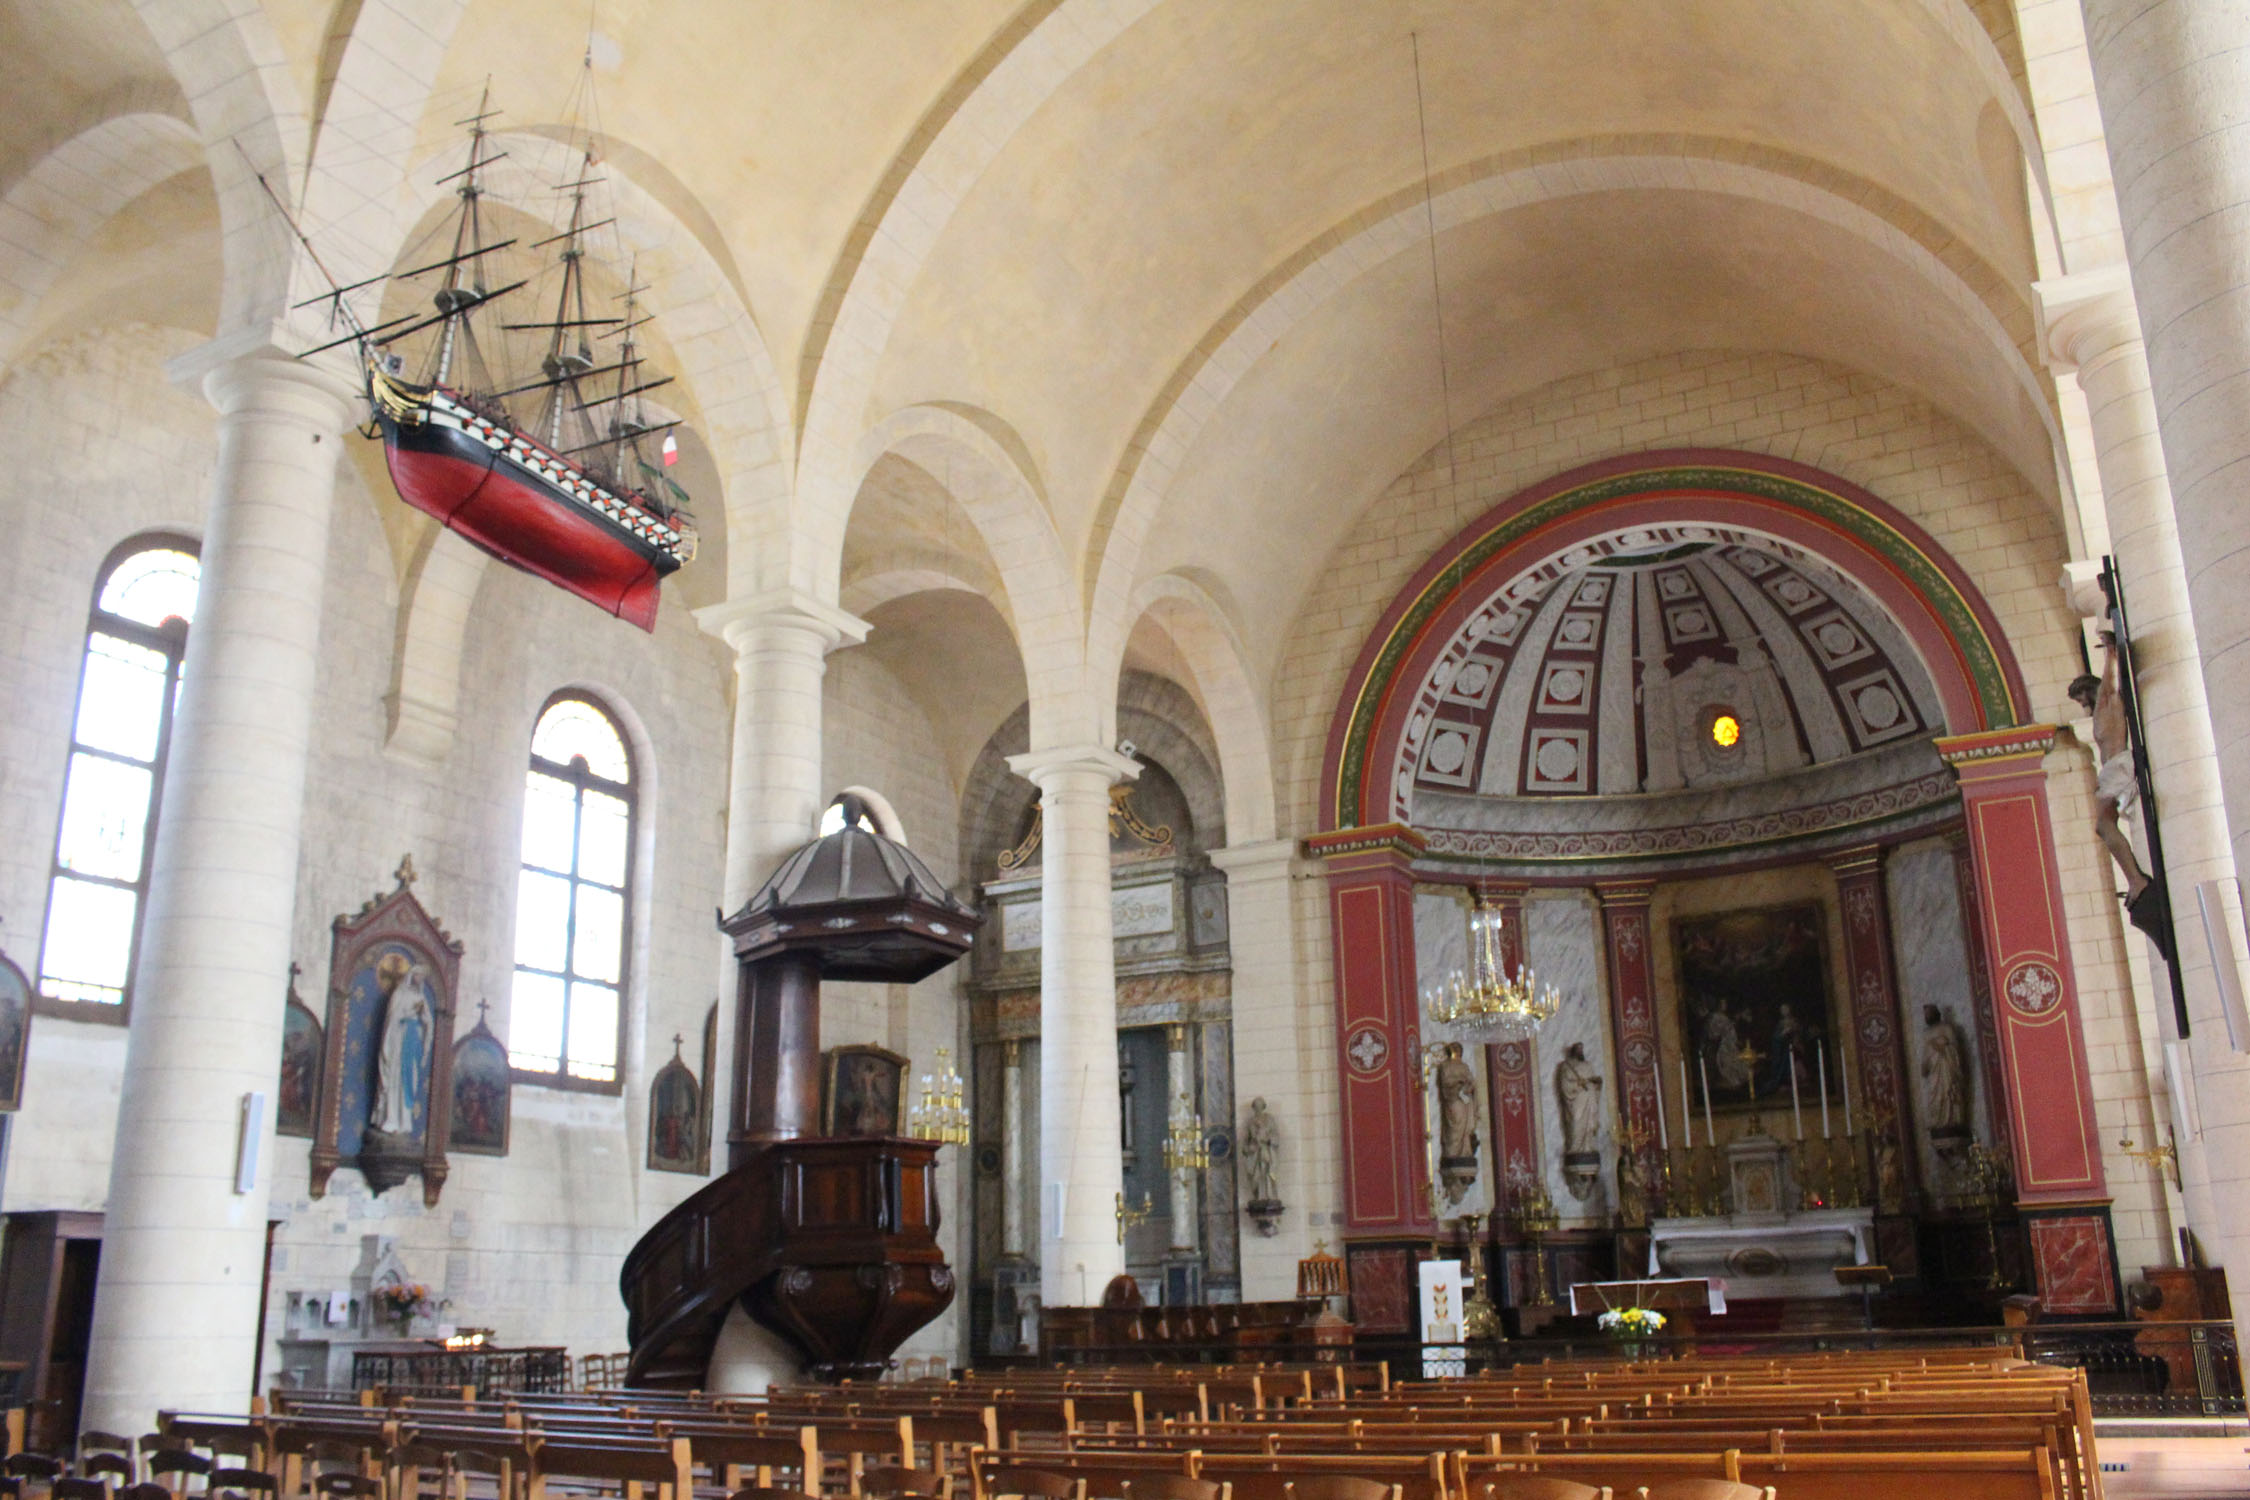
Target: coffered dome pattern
x=1606 y=669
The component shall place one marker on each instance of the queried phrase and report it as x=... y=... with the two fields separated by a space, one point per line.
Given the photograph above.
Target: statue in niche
x=2117 y=787
x=1890 y=1176
x=1261 y=1146
x=1945 y=1081
x=402 y=1064
x=1456 y=1088
x=1578 y=1088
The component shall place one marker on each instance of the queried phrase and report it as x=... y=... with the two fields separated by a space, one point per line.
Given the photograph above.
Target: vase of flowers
x=399 y=1301
x=1631 y=1327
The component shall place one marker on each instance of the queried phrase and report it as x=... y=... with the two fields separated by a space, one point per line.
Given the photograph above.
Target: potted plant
x=401 y=1300
x=1630 y=1327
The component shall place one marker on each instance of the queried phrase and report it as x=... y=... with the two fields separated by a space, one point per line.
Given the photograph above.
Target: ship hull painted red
x=465 y=485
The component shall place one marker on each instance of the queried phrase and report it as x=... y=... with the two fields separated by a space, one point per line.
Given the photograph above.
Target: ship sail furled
x=548 y=469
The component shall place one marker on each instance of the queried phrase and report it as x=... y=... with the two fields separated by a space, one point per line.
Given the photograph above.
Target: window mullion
x=570 y=923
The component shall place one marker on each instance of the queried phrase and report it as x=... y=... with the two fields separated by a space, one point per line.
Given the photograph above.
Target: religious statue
x=2117 y=788
x=1890 y=1176
x=1945 y=1081
x=402 y=1063
x=1456 y=1089
x=1578 y=1088
x=1261 y=1144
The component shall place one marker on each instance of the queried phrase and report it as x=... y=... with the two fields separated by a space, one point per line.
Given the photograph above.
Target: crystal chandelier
x=940 y=1115
x=1487 y=1002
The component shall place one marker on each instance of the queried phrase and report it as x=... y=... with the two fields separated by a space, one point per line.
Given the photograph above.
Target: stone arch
x=1927 y=594
x=235 y=76
x=51 y=211
x=964 y=131
x=993 y=482
x=1980 y=296
x=1232 y=706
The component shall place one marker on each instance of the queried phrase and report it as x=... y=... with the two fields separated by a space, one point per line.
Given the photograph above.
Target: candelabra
x=1132 y=1218
x=1480 y=1320
x=1988 y=1174
x=940 y=1114
x=1185 y=1149
x=1531 y=1213
x=1487 y=1001
x=2165 y=1158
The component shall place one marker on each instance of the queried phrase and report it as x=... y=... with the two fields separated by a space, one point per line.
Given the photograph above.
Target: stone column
x=182 y=1250
x=1632 y=1010
x=1011 y=1150
x=775 y=789
x=1179 y=1069
x=1271 y=1060
x=2171 y=76
x=1080 y=1170
x=2060 y=1190
x=1386 y=1161
x=1873 y=1007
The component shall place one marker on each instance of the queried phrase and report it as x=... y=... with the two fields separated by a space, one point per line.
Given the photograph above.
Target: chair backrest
x=95 y=1465
x=1011 y=1480
x=1704 y=1489
x=71 y=1488
x=768 y=1492
x=95 y=1441
x=145 y=1490
x=244 y=1482
x=31 y=1466
x=1174 y=1487
x=1338 y=1487
x=341 y=1484
x=1541 y=1487
x=892 y=1479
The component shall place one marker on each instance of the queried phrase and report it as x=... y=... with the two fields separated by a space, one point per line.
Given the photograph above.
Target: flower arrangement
x=1631 y=1322
x=401 y=1300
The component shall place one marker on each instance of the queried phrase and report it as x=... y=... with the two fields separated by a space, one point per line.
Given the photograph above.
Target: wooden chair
x=112 y=1469
x=93 y=1442
x=72 y=1487
x=145 y=1490
x=768 y=1492
x=891 y=1480
x=242 y=1484
x=1704 y=1489
x=1541 y=1487
x=1175 y=1487
x=1033 y=1484
x=1338 y=1487
x=337 y=1484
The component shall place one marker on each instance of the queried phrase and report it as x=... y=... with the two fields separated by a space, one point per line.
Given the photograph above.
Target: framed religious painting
x=1754 y=1006
x=675 y=1117
x=387 y=1097
x=862 y=1097
x=482 y=1092
x=297 y=1096
x=15 y=1032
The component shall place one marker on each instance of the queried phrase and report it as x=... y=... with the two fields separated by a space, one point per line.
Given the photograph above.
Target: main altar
x=1778 y=1231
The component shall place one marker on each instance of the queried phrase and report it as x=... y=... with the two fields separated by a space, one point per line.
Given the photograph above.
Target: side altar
x=1761 y=1248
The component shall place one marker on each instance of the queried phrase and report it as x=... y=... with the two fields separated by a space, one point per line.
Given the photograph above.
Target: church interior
x=709 y=698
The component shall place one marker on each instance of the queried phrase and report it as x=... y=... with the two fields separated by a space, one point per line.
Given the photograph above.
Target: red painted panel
x=2071 y=1257
x=1633 y=1014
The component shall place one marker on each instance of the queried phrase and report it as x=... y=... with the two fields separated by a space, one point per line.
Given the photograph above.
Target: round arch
x=1927 y=593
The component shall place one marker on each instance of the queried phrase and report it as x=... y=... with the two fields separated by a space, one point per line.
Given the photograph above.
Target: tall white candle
x=1663 y=1136
x=1796 y=1108
x=1687 y=1109
x=1703 y=1071
x=1847 y=1109
x=1820 y=1056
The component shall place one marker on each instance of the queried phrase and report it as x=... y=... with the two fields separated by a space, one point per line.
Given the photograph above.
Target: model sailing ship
x=545 y=470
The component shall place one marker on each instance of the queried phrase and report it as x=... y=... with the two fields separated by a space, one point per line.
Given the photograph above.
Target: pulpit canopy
x=866 y=904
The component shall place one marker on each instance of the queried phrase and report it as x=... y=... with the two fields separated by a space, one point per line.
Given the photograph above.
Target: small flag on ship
x=671 y=450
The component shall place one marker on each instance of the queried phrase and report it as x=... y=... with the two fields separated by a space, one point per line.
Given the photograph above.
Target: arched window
x=566 y=1018
x=128 y=687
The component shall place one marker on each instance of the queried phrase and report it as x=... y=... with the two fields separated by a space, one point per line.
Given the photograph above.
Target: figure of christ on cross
x=1751 y=1057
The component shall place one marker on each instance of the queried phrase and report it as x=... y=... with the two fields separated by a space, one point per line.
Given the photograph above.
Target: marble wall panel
x=1930 y=951
x=1562 y=944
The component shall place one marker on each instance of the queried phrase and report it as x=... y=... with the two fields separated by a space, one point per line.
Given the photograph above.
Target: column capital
x=1268 y=859
x=1375 y=838
x=2084 y=316
x=249 y=372
x=1051 y=769
x=785 y=611
x=1619 y=895
x=1996 y=752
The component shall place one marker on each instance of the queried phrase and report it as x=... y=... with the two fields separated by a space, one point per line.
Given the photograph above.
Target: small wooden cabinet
x=49 y=1262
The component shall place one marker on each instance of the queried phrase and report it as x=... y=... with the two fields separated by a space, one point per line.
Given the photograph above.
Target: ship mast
x=468 y=236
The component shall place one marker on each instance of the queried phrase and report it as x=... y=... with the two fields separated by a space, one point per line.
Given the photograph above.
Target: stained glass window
x=566 y=1016
x=128 y=687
